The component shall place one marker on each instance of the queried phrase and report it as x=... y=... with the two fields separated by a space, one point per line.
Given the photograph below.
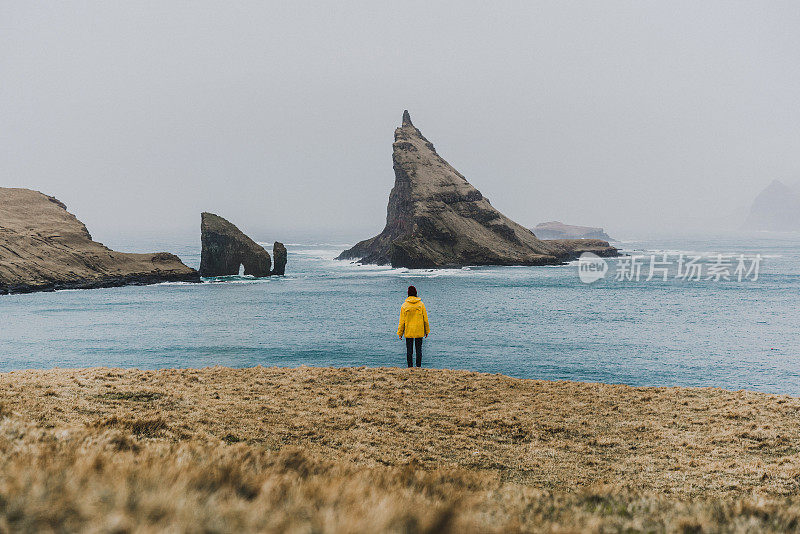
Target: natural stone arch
x=225 y=248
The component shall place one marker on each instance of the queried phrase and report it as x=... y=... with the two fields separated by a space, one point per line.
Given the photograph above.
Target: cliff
x=435 y=218
x=44 y=247
x=559 y=230
x=776 y=209
x=225 y=248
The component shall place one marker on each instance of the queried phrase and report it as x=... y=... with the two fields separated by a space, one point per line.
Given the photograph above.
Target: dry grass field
x=388 y=450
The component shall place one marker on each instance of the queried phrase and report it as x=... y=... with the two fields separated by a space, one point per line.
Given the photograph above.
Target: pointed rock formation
x=43 y=247
x=225 y=248
x=435 y=218
x=279 y=255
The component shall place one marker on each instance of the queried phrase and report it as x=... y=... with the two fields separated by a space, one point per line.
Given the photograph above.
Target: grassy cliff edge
x=366 y=450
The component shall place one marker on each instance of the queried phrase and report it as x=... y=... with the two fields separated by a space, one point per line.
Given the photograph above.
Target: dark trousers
x=411 y=342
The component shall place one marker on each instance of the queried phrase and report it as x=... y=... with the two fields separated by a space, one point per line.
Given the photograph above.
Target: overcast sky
x=279 y=116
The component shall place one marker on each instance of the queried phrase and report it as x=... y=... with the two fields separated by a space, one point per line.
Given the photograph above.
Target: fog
x=636 y=116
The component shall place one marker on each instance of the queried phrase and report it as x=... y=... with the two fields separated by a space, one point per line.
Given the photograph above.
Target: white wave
x=338 y=246
x=317 y=253
x=669 y=252
x=241 y=279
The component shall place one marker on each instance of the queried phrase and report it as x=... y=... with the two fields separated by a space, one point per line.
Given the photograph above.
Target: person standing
x=414 y=325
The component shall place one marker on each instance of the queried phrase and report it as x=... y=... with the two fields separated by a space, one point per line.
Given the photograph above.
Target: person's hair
x=412 y=291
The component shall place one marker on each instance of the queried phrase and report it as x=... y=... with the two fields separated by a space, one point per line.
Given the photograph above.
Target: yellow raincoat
x=413 y=318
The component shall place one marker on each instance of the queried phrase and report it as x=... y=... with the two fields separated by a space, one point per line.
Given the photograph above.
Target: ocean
x=528 y=322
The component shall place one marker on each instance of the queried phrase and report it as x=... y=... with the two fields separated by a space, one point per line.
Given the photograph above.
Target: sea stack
x=436 y=219
x=225 y=248
x=279 y=255
x=43 y=247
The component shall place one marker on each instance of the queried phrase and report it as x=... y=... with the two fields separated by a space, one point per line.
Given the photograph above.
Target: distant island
x=559 y=230
x=43 y=247
x=436 y=218
x=775 y=209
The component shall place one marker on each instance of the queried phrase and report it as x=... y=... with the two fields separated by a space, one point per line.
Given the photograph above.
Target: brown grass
x=372 y=450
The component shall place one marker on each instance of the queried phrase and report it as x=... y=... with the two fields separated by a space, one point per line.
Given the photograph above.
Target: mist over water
x=531 y=322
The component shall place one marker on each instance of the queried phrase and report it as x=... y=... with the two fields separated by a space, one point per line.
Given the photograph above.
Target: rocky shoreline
x=435 y=219
x=128 y=280
x=43 y=247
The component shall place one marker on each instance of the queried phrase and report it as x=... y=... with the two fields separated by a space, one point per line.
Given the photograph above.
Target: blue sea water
x=530 y=322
